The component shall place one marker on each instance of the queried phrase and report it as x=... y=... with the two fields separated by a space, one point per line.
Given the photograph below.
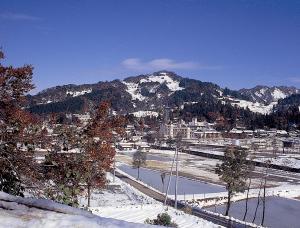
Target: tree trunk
x=169 y=181
x=176 y=181
x=228 y=203
x=254 y=217
x=264 y=202
x=89 y=195
x=246 y=209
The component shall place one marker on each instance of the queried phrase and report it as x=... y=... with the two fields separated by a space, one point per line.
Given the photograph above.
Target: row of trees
x=82 y=154
x=77 y=156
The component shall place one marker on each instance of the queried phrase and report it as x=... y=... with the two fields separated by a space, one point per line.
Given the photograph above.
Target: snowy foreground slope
x=120 y=205
x=28 y=212
x=131 y=205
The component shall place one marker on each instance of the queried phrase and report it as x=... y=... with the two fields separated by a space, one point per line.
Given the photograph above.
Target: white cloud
x=295 y=79
x=18 y=17
x=162 y=64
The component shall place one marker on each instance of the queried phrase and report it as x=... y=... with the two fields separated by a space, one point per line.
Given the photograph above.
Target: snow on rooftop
x=145 y=113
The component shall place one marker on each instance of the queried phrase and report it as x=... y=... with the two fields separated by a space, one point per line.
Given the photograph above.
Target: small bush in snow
x=187 y=210
x=162 y=219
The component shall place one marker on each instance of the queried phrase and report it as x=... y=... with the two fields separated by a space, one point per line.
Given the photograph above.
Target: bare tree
x=247 y=198
x=163 y=177
x=249 y=171
x=258 y=201
x=139 y=159
x=266 y=174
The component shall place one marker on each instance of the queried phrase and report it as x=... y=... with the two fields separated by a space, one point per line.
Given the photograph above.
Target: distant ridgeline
x=254 y=108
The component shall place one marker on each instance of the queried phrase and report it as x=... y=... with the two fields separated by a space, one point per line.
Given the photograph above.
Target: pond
x=185 y=185
x=280 y=212
x=151 y=156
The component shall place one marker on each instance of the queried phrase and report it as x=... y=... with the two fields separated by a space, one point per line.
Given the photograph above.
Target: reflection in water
x=185 y=185
x=280 y=212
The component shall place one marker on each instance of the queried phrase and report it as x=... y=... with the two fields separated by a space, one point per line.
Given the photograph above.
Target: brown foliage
x=17 y=127
x=98 y=146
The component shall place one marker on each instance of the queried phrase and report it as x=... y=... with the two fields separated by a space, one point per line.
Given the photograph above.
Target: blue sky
x=232 y=43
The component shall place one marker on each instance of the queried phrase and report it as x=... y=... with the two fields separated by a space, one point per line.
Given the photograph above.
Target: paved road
x=197 y=212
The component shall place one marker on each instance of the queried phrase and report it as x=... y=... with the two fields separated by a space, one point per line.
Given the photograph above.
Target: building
x=206 y=134
x=172 y=130
x=191 y=130
x=125 y=146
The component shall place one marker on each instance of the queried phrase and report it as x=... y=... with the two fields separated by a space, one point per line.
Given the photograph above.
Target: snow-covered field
x=138 y=214
x=283 y=160
x=117 y=194
x=288 y=160
x=131 y=205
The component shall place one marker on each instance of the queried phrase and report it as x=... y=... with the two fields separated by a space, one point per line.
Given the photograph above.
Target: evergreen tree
x=233 y=171
x=139 y=159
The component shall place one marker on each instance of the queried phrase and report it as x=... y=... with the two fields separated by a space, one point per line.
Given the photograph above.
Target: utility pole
x=170 y=176
x=176 y=182
x=114 y=178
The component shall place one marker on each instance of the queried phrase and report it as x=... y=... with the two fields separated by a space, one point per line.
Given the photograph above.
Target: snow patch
x=278 y=94
x=78 y=93
x=164 y=78
x=134 y=91
x=254 y=106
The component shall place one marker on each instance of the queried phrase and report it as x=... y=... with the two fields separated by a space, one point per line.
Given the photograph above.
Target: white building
x=192 y=130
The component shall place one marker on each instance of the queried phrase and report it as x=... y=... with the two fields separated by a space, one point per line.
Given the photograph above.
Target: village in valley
x=145 y=167
x=173 y=163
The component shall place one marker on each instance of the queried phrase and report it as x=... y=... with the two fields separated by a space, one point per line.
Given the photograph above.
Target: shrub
x=162 y=219
x=188 y=210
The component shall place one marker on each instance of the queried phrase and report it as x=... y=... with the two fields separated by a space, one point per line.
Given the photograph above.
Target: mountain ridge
x=155 y=91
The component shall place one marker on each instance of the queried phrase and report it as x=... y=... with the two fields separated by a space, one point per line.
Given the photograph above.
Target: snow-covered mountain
x=266 y=95
x=150 y=93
